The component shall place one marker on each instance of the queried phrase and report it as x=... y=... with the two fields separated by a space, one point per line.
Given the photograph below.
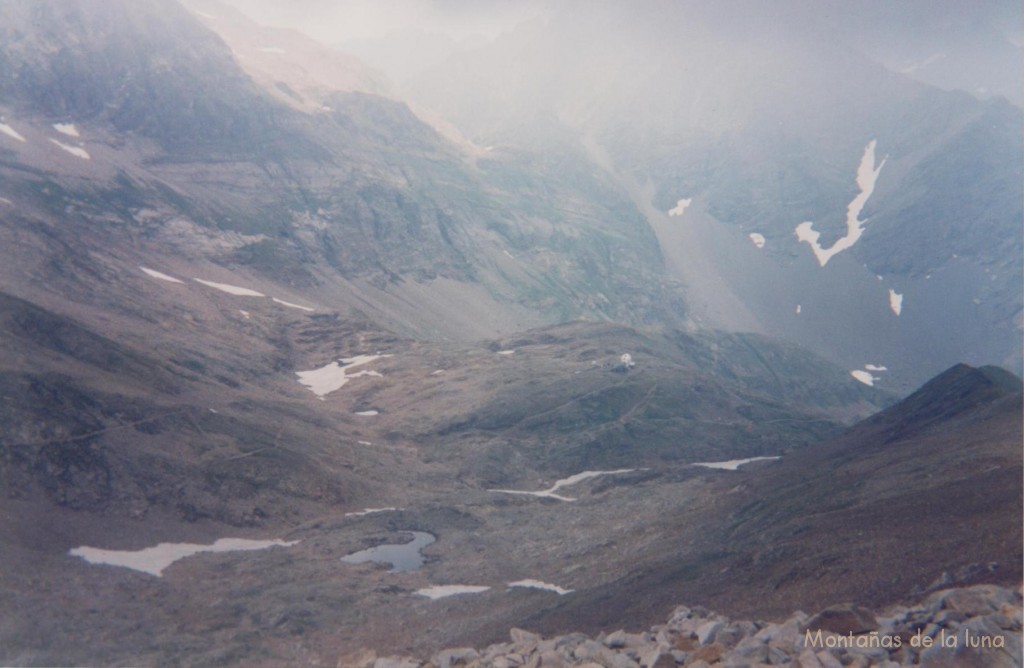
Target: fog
x=357 y=20
x=952 y=44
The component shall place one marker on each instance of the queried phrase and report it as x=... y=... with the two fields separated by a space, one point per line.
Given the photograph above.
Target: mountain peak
x=1002 y=378
x=957 y=394
x=963 y=381
x=149 y=68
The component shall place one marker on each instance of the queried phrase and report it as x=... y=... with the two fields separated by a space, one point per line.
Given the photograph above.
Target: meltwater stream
x=404 y=557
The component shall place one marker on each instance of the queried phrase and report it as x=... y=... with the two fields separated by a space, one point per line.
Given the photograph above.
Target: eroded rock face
x=973 y=626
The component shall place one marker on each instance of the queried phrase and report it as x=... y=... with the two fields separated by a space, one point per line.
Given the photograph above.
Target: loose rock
x=844 y=636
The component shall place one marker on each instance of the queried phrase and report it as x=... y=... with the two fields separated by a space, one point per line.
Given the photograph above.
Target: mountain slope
x=295 y=69
x=185 y=422
x=227 y=319
x=925 y=494
x=145 y=68
x=171 y=140
x=760 y=131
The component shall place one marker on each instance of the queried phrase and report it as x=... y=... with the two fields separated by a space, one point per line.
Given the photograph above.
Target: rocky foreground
x=978 y=626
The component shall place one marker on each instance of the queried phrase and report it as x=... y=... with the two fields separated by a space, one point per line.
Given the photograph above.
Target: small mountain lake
x=404 y=557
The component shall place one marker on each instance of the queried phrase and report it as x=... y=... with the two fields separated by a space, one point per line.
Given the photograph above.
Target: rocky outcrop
x=975 y=626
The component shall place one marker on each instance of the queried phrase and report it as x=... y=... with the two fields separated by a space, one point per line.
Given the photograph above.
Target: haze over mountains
x=595 y=303
x=762 y=130
x=760 y=116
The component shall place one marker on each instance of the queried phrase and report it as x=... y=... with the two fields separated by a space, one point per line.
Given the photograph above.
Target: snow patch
x=11 y=132
x=564 y=482
x=438 y=372
x=370 y=511
x=68 y=129
x=733 y=464
x=154 y=560
x=333 y=376
x=73 y=150
x=4 y=200
x=758 y=239
x=680 y=207
x=369 y=413
x=537 y=584
x=291 y=305
x=160 y=276
x=895 y=301
x=864 y=377
x=867 y=175
x=506 y=352
x=231 y=289
x=798 y=309
x=444 y=591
